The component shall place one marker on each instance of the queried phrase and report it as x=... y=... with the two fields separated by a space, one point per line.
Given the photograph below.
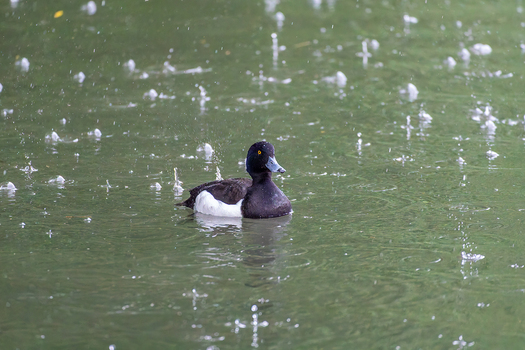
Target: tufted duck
x=257 y=198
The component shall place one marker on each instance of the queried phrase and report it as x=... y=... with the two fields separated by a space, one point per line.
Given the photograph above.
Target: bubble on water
x=90 y=8
x=425 y=117
x=491 y=155
x=57 y=180
x=80 y=77
x=481 y=49
x=490 y=127
x=316 y=4
x=374 y=44
x=152 y=94
x=462 y=343
x=341 y=79
x=270 y=5
x=8 y=186
x=168 y=68
x=409 y=19
x=95 y=133
x=464 y=54
x=279 y=18
x=1 y=87
x=450 y=62
x=23 y=64
x=470 y=257
x=411 y=92
x=177 y=184
x=207 y=149
x=53 y=137
x=130 y=65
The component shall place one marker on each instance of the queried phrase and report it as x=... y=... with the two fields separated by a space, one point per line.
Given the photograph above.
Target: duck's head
x=261 y=159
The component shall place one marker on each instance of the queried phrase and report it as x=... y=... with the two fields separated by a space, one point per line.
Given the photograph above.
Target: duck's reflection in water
x=259 y=242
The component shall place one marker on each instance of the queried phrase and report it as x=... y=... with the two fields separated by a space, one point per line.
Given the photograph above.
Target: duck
x=255 y=198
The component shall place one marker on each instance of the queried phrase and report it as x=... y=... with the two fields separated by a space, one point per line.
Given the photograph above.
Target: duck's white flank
x=207 y=204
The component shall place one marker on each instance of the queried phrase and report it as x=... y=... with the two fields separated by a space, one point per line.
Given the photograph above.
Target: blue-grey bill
x=274 y=166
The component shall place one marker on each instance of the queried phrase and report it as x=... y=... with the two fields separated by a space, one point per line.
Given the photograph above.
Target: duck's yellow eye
x=259 y=152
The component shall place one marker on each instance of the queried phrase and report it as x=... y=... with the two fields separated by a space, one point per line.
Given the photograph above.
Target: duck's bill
x=274 y=166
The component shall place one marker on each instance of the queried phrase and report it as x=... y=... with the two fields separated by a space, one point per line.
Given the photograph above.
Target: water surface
x=406 y=231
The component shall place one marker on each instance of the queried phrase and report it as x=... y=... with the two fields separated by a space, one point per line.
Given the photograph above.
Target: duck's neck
x=261 y=177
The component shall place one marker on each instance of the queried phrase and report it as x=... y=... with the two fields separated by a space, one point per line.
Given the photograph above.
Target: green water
x=406 y=233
